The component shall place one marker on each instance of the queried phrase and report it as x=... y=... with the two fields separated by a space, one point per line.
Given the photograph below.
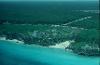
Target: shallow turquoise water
x=13 y=54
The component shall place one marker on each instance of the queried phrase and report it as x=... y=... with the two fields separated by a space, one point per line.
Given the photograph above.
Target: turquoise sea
x=16 y=54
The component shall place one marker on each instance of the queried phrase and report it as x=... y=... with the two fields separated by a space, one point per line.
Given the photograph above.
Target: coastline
x=13 y=40
x=61 y=45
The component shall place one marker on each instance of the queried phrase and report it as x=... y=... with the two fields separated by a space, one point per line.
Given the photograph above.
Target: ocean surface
x=17 y=54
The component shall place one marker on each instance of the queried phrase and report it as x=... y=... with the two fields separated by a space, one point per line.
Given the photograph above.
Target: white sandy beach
x=2 y=38
x=62 y=45
x=13 y=40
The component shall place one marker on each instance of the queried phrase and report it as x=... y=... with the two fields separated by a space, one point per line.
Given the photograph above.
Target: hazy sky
x=49 y=0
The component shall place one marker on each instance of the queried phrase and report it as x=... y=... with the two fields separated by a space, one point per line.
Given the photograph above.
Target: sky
x=49 y=0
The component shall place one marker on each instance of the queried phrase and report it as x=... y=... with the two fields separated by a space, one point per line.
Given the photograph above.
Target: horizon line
x=48 y=0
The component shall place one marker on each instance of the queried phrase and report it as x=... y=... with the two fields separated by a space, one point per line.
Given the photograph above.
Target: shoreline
x=61 y=45
x=13 y=40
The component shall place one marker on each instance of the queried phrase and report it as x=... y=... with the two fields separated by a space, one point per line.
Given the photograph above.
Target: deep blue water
x=14 y=54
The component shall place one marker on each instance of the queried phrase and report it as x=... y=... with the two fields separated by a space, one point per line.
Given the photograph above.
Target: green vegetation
x=40 y=34
x=87 y=43
x=48 y=24
x=92 y=23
